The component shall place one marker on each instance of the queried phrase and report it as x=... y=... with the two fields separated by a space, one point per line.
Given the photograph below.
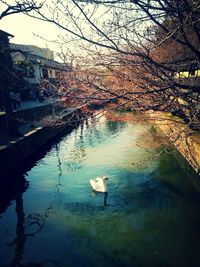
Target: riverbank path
x=28 y=104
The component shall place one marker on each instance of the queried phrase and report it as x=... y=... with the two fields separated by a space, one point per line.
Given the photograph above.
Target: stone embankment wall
x=15 y=152
x=27 y=115
x=181 y=136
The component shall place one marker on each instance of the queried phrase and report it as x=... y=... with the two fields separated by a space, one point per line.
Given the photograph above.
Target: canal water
x=49 y=216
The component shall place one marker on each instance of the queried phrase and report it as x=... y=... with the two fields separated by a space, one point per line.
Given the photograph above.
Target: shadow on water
x=15 y=180
x=26 y=226
x=175 y=172
x=23 y=224
x=12 y=186
x=10 y=189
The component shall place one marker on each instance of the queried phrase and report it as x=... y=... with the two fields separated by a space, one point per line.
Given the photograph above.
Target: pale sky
x=24 y=27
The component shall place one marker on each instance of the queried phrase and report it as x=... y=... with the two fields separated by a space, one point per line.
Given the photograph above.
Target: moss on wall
x=181 y=136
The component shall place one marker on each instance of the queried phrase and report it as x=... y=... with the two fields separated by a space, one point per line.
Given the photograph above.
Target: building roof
x=36 y=55
x=5 y=34
x=44 y=62
x=33 y=49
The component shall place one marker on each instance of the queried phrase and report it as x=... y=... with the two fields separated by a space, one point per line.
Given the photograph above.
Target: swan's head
x=105 y=178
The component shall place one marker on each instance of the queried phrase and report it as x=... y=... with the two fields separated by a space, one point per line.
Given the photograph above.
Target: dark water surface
x=50 y=217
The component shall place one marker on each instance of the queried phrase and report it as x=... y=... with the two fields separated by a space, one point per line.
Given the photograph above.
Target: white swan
x=99 y=184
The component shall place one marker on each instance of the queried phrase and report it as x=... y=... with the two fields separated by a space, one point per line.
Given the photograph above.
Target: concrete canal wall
x=28 y=115
x=15 y=152
x=181 y=136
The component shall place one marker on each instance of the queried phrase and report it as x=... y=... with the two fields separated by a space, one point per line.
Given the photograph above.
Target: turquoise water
x=49 y=215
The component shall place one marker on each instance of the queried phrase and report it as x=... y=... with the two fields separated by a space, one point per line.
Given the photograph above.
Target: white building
x=41 y=52
x=38 y=63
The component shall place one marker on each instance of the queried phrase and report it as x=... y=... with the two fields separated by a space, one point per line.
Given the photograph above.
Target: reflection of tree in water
x=23 y=224
x=114 y=127
x=78 y=151
x=95 y=132
x=59 y=163
x=90 y=133
x=26 y=227
x=31 y=225
x=9 y=188
x=58 y=182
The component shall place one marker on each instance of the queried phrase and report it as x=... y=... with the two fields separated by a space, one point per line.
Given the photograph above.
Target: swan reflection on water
x=105 y=198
